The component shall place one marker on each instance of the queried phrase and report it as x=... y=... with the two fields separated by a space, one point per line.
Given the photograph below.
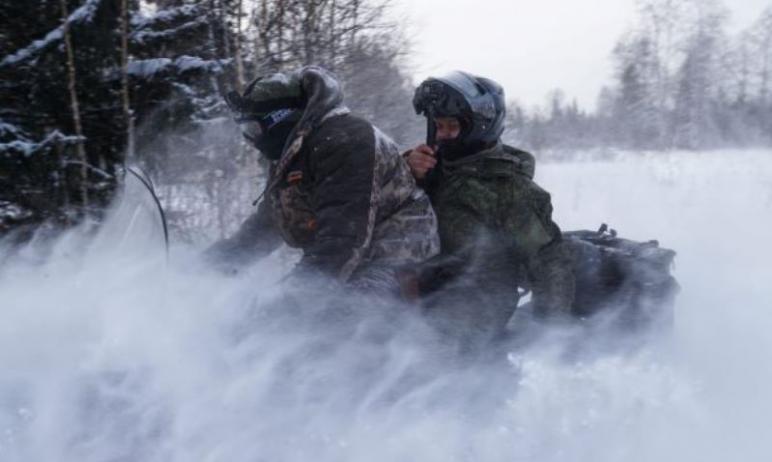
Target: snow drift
x=109 y=352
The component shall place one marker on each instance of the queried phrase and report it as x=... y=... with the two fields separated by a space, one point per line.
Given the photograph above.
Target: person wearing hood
x=497 y=235
x=337 y=188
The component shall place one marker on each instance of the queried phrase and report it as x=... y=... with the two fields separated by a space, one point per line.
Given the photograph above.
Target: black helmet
x=477 y=102
x=268 y=111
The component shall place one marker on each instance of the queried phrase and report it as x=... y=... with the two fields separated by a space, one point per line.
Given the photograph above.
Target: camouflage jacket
x=499 y=222
x=348 y=200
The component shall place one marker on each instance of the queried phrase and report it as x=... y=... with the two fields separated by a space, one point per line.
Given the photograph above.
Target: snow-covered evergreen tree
x=174 y=80
x=39 y=150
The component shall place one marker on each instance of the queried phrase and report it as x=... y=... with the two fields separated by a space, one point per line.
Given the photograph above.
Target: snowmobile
x=629 y=279
x=617 y=279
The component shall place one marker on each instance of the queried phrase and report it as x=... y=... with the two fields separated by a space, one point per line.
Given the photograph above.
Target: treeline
x=681 y=82
x=88 y=84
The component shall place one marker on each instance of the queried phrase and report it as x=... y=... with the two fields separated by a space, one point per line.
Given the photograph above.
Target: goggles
x=254 y=127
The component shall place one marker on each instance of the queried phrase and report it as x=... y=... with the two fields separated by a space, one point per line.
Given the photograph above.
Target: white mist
x=109 y=353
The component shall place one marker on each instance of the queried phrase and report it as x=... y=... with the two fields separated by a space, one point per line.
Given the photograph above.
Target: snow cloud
x=108 y=352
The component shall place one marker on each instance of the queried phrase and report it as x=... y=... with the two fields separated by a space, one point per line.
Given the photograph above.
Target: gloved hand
x=226 y=256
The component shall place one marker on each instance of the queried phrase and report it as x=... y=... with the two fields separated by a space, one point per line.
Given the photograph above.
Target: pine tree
x=65 y=147
x=59 y=149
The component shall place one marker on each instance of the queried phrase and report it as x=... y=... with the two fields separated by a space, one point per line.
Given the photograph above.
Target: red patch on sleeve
x=294 y=177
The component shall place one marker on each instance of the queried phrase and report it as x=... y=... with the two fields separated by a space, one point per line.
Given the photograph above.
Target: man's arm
x=552 y=280
x=256 y=238
x=538 y=240
x=344 y=198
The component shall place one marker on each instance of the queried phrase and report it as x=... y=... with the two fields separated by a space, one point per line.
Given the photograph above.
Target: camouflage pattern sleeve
x=552 y=280
x=528 y=220
x=257 y=237
x=343 y=199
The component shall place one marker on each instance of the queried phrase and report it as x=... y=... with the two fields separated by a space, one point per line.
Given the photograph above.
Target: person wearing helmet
x=495 y=222
x=337 y=187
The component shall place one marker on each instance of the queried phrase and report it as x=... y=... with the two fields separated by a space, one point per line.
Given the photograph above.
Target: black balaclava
x=275 y=129
x=459 y=146
x=268 y=110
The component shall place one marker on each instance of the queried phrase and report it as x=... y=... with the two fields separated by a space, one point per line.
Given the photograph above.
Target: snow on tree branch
x=150 y=68
x=27 y=148
x=82 y=15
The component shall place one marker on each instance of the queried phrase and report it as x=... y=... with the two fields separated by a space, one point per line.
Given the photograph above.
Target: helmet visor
x=448 y=96
x=462 y=83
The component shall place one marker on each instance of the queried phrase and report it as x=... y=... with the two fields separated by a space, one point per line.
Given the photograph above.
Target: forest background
x=89 y=86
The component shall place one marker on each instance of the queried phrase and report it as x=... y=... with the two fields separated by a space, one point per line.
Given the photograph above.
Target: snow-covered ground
x=111 y=353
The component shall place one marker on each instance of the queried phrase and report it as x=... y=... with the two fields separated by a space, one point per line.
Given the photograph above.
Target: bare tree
x=297 y=32
x=71 y=85
x=761 y=39
x=125 y=91
x=237 y=51
x=661 y=26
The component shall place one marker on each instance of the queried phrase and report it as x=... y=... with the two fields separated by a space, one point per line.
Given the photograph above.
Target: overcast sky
x=530 y=46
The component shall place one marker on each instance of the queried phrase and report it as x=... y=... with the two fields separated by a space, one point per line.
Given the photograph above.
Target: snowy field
x=109 y=353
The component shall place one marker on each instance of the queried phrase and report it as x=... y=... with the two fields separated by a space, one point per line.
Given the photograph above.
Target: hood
x=324 y=99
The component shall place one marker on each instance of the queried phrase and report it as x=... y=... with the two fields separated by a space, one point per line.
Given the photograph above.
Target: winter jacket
x=496 y=221
x=341 y=193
